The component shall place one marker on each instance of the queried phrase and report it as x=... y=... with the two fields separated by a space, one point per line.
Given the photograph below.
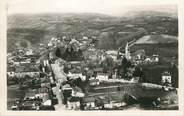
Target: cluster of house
x=66 y=41
x=22 y=63
x=139 y=56
x=143 y=59
x=36 y=99
x=22 y=71
x=41 y=97
x=95 y=101
x=102 y=102
x=21 y=57
x=96 y=54
x=72 y=97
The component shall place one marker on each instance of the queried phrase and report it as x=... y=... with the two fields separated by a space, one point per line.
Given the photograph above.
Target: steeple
x=127 y=52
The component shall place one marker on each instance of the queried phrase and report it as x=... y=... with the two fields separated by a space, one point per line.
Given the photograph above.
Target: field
x=157 y=39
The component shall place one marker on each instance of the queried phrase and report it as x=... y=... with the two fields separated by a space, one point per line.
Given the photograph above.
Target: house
x=108 y=102
x=108 y=105
x=29 y=52
x=85 y=38
x=42 y=93
x=73 y=75
x=166 y=78
x=47 y=103
x=78 y=75
x=10 y=58
x=155 y=58
x=89 y=103
x=113 y=54
x=148 y=59
x=83 y=77
x=77 y=92
x=152 y=59
x=11 y=72
x=45 y=62
x=135 y=79
x=93 y=82
x=73 y=103
x=114 y=104
x=16 y=63
x=102 y=76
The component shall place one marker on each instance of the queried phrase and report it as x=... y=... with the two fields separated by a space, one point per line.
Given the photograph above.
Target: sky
x=109 y=7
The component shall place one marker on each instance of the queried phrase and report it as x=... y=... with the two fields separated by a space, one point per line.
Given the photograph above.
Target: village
x=72 y=74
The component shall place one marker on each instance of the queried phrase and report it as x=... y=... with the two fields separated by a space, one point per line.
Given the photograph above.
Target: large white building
x=166 y=77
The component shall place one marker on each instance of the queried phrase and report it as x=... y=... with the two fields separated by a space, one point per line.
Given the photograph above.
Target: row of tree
x=69 y=54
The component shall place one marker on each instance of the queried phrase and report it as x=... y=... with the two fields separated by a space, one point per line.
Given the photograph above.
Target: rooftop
x=26 y=69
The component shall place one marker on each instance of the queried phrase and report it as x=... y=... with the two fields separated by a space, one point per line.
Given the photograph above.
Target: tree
x=108 y=64
x=137 y=72
x=58 y=52
x=124 y=68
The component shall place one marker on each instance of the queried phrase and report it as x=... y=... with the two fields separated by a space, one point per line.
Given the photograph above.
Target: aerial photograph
x=91 y=56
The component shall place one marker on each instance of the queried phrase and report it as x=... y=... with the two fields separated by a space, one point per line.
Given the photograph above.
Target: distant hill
x=38 y=28
x=111 y=32
x=153 y=22
x=37 y=20
x=143 y=13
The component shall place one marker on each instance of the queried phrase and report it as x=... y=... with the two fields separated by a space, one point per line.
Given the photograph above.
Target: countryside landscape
x=92 y=61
